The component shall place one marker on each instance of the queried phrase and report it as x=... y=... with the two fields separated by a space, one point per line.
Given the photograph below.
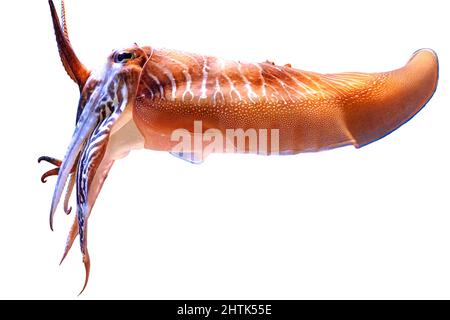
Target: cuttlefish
x=190 y=105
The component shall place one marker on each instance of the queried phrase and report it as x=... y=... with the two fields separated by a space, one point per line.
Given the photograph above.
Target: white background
x=347 y=223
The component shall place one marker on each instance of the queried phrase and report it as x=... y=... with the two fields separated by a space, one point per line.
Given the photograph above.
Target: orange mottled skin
x=313 y=111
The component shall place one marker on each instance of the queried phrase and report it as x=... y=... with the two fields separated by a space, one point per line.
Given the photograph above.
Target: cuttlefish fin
x=190 y=157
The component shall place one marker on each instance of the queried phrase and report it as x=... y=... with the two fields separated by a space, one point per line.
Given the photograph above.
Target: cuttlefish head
x=104 y=95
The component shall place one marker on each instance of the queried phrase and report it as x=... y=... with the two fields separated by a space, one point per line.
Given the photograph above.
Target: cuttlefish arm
x=74 y=68
x=55 y=172
x=105 y=95
x=92 y=171
x=95 y=161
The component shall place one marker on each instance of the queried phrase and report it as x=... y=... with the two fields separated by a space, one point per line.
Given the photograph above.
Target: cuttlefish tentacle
x=74 y=68
x=49 y=173
x=73 y=233
x=55 y=172
x=86 y=125
x=69 y=190
x=52 y=172
x=51 y=160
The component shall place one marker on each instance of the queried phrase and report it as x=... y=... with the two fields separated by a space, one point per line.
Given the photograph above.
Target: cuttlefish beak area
x=104 y=99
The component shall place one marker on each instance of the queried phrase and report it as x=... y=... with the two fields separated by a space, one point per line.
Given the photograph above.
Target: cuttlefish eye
x=123 y=57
